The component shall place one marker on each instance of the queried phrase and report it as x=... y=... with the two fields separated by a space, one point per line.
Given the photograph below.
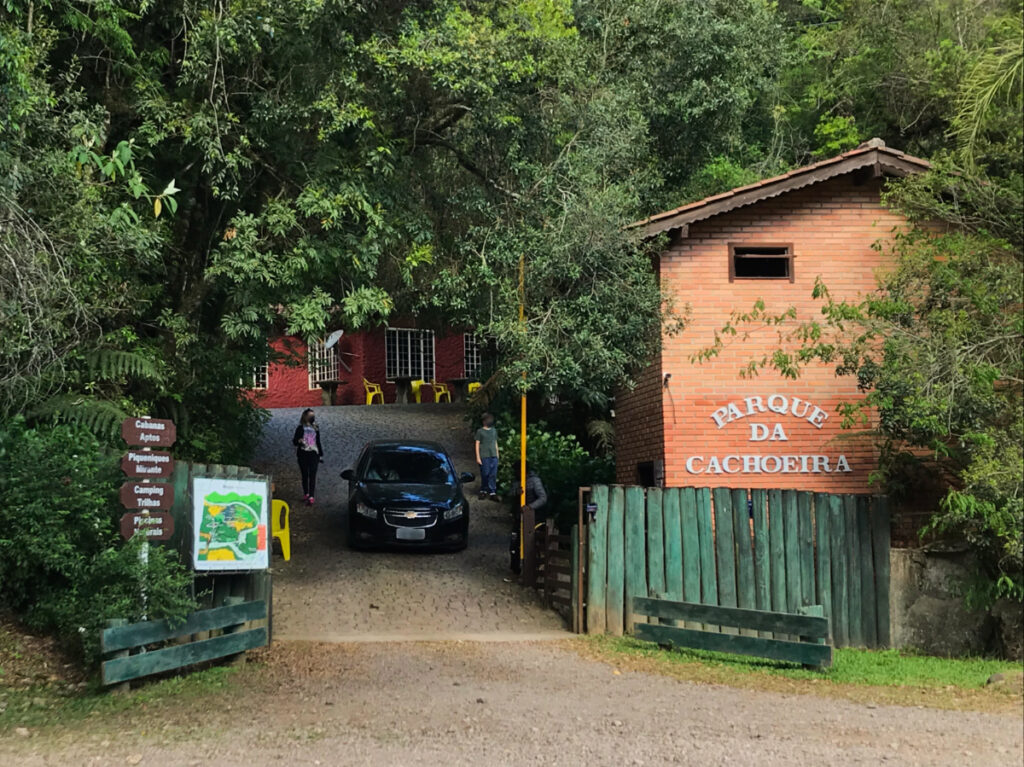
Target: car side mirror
x=466 y=477
x=348 y=474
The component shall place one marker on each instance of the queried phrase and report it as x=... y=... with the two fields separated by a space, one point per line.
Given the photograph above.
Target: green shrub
x=560 y=461
x=63 y=567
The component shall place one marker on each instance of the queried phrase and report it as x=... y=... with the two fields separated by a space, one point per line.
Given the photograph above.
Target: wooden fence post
x=122 y=687
x=529 y=574
x=239 y=659
x=597 y=562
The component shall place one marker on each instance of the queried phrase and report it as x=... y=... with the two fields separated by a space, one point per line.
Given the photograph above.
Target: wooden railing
x=215 y=633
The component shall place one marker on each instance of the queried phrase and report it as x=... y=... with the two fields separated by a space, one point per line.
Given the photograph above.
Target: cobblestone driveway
x=328 y=592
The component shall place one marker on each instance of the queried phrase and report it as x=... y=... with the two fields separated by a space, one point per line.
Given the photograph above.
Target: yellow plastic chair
x=373 y=390
x=441 y=390
x=473 y=386
x=279 y=526
x=414 y=387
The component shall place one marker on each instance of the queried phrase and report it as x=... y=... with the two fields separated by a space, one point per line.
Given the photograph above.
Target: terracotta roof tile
x=873 y=152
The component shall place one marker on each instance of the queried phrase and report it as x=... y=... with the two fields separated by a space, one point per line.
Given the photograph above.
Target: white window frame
x=471 y=363
x=419 y=358
x=321 y=363
x=261 y=377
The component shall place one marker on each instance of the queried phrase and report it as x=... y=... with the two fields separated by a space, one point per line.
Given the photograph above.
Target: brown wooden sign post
x=137 y=494
x=158 y=526
x=148 y=432
x=150 y=464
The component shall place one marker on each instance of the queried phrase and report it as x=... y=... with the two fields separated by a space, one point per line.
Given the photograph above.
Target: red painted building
x=700 y=424
x=334 y=374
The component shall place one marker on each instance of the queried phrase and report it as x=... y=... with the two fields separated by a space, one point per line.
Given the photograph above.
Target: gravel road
x=512 y=703
x=328 y=592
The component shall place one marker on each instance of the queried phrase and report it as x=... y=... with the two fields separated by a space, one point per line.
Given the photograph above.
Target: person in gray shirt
x=487 y=457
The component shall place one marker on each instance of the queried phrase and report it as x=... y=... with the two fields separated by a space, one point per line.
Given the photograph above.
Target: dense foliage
x=559 y=460
x=63 y=565
x=179 y=180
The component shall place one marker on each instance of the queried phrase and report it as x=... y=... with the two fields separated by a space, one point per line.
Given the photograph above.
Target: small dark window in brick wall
x=760 y=262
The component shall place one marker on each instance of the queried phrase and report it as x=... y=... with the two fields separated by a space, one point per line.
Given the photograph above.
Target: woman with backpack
x=309 y=452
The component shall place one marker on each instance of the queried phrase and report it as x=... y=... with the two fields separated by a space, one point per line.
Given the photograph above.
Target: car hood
x=399 y=495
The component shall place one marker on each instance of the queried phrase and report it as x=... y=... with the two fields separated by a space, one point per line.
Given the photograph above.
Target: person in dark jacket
x=536 y=499
x=309 y=452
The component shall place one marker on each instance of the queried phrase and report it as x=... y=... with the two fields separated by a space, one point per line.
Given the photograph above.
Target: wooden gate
x=770 y=550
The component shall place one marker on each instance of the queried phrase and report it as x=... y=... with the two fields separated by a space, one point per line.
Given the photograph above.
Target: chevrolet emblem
x=410 y=515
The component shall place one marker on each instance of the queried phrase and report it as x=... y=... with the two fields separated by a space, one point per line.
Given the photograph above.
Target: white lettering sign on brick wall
x=768 y=421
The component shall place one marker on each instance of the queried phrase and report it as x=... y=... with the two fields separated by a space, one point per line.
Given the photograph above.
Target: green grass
x=47 y=705
x=879 y=668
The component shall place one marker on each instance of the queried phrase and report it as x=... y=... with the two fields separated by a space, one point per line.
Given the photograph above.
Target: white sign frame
x=203 y=487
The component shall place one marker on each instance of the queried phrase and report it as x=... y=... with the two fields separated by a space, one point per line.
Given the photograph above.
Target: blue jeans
x=488 y=475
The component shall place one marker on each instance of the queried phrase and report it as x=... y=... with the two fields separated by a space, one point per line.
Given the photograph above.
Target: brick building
x=700 y=424
x=333 y=373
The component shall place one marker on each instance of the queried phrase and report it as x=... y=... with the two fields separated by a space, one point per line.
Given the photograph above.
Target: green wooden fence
x=769 y=550
x=216 y=633
x=810 y=630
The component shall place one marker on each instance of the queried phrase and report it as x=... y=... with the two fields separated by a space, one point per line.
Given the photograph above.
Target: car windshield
x=410 y=465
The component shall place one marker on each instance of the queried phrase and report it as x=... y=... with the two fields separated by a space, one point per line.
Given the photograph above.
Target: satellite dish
x=333 y=338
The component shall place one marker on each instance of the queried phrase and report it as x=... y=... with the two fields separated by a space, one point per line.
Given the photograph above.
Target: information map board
x=230 y=518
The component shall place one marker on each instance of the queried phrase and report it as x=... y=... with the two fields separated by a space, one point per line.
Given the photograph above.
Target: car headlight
x=453 y=513
x=366 y=511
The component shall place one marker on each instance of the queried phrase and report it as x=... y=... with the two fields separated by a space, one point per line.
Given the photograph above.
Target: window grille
x=471 y=356
x=261 y=376
x=409 y=354
x=322 y=363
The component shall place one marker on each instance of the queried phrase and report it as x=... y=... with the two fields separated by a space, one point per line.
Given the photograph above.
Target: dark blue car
x=406 y=494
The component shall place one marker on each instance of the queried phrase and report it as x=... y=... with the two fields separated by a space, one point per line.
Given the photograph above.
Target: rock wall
x=927 y=609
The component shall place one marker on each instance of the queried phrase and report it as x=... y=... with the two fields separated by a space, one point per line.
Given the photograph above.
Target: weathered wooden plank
x=762 y=558
x=777 y=549
x=840 y=598
x=655 y=543
x=168 y=658
x=856 y=626
x=881 y=538
x=693 y=557
x=574 y=591
x=775 y=649
x=636 y=549
x=616 y=595
x=674 y=544
x=823 y=595
x=801 y=624
x=805 y=526
x=597 y=562
x=706 y=547
x=745 y=586
x=794 y=595
x=725 y=550
x=867 y=572
x=147 y=632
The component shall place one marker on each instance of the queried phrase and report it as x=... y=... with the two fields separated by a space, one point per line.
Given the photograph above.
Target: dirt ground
x=503 y=703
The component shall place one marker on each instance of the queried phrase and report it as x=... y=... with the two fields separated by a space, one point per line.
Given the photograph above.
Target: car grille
x=410 y=517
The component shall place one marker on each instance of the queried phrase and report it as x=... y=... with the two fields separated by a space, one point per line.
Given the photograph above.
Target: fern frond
x=102 y=417
x=603 y=434
x=110 y=364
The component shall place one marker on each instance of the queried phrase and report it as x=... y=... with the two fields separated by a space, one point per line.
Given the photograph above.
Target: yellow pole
x=522 y=408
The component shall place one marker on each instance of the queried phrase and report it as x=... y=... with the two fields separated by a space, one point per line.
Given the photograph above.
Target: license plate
x=410 y=533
